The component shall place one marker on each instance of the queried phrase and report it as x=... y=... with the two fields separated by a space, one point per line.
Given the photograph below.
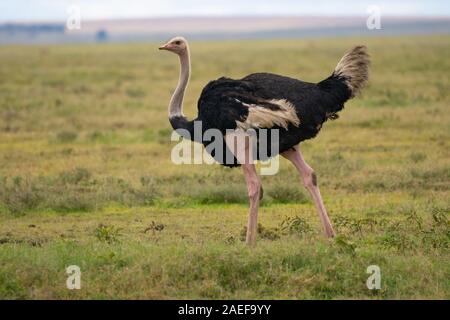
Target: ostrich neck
x=176 y=103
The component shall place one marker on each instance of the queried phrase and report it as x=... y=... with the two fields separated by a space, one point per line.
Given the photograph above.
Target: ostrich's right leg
x=254 y=192
x=310 y=181
x=240 y=144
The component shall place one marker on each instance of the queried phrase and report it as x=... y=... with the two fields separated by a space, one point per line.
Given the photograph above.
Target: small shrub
x=440 y=217
x=67 y=200
x=120 y=191
x=286 y=194
x=438 y=235
x=230 y=240
x=75 y=176
x=295 y=225
x=20 y=195
x=108 y=234
x=220 y=194
x=355 y=226
x=414 y=218
x=436 y=239
x=263 y=233
x=397 y=240
x=342 y=223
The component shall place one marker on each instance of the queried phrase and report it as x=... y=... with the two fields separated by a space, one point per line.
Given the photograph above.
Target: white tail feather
x=354 y=68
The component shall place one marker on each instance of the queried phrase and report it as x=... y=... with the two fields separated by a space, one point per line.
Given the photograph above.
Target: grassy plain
x=86 y=177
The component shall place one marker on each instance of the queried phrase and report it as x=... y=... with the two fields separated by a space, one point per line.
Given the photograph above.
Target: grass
x=86 y=178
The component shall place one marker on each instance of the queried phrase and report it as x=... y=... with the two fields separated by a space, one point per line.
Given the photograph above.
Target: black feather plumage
x=225 y=101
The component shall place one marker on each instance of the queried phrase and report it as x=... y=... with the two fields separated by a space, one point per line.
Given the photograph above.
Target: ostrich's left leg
x=240 y=144
x=310 y=181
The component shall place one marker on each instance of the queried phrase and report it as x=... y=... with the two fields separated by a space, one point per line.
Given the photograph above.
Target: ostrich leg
x=243 y=153
x=310 y=181
x=254 y=191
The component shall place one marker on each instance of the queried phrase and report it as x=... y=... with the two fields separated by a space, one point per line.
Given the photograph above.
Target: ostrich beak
x=164 y=47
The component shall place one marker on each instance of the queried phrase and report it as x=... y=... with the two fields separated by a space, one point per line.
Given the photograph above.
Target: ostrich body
x=268 y=101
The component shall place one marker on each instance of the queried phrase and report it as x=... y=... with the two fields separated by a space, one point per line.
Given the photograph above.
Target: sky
x=58 y=10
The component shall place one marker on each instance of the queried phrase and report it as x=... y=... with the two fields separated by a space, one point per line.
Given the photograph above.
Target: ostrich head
x=176 y=45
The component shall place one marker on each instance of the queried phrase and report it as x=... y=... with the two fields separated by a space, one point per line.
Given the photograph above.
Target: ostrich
x=297 y=109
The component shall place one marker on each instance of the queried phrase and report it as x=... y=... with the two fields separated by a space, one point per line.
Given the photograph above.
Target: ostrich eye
x=177 y=43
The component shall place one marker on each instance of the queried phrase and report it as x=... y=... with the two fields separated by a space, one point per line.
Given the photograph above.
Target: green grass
x=86 y=178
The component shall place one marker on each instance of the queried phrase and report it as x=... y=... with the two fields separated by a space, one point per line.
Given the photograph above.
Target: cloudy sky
x=53 y=10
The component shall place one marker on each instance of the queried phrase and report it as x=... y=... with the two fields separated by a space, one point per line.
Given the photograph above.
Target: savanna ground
x=86 y=178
